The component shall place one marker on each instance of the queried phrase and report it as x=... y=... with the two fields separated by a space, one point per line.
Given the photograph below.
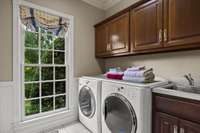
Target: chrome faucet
x=189 y=79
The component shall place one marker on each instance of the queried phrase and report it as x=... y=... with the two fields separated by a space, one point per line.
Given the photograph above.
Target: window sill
x=47 y=122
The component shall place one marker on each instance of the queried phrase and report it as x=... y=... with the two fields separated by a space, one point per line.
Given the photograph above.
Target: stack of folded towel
x=139 y=75
x=115 y=73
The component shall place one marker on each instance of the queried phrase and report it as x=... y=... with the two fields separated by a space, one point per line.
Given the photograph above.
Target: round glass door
x=119 y=115
x=87 y=102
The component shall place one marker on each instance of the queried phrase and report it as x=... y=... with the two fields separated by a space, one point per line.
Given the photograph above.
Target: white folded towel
x=143 y=73
x=136 y=68
x=139 y=79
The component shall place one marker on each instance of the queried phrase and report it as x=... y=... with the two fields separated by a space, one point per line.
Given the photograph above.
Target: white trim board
x=17 y=103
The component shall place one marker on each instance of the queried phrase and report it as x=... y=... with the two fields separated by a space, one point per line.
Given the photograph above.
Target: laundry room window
x=45 y=63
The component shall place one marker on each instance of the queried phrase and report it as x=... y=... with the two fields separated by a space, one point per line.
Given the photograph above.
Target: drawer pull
x=182 y=130
x=175 y=129
x=165 y=35
x=160 y=35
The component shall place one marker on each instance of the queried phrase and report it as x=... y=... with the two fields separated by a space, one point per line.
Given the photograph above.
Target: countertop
x=155 y=89
x=158 y=81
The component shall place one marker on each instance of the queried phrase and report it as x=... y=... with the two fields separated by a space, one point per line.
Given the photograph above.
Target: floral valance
x=34 y=19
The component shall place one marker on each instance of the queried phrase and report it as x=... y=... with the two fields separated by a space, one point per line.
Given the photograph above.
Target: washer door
x=87 y=102
x=119 y=115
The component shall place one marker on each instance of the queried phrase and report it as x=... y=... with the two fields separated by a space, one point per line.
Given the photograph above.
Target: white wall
x=120 y=6
x=170 y=65
x=6 y=107
x=6 y=40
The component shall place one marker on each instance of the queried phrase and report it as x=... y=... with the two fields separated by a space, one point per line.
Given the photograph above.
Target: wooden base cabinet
x=165 y=123
x=175 y=115
x=170 y=124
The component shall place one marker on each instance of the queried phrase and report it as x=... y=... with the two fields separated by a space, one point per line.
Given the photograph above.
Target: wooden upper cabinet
x=150 y=26
x=118 y=34
x=101 y=40
x=181 y=22
x=146 y=26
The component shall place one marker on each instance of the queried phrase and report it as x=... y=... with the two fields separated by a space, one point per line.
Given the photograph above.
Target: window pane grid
x=29 y=48
x=56 y=95
x=44 y=65
x=46 y=81
x=49 y=60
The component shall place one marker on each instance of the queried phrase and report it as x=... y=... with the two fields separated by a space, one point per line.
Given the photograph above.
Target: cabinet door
x=189 y=127
x=119 y=34
x=146 y=26
x=165 y=123
x=101 y=40
x=182 y=22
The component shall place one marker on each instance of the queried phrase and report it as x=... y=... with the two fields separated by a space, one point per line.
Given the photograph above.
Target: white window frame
x=66 y=65
x=20 y=122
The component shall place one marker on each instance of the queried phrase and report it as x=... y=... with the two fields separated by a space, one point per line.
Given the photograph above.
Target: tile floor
x=74 y=128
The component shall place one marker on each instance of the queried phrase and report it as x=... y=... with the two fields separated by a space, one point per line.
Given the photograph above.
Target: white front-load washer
x=126 y=107
x=89 y=98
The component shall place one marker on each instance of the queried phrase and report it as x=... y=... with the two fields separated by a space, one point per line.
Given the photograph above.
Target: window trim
x=17 y=51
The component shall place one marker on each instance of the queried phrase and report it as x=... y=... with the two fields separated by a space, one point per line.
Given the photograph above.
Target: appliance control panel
x=126 y=90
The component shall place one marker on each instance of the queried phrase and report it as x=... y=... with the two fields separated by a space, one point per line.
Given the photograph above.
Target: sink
x=190 y=89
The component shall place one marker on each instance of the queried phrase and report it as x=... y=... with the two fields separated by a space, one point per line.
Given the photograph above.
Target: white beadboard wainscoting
x=6 y=107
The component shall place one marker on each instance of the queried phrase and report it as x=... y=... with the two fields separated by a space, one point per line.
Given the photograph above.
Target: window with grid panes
x=44 y=79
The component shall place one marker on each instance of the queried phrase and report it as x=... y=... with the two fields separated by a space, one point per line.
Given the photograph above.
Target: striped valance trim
x=33 y=19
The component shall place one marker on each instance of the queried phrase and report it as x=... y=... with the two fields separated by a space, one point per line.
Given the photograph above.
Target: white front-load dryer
x=126 y=108
x=89 y=98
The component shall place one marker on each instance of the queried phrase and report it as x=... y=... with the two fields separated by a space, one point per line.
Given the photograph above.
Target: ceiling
x=102 y=4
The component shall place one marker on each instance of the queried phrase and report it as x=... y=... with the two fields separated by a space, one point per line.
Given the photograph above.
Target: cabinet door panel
x=119 y=34
x=146 y=26
x=165 y=123
x=182 y=22
x=101 y=40
x=189 y=127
